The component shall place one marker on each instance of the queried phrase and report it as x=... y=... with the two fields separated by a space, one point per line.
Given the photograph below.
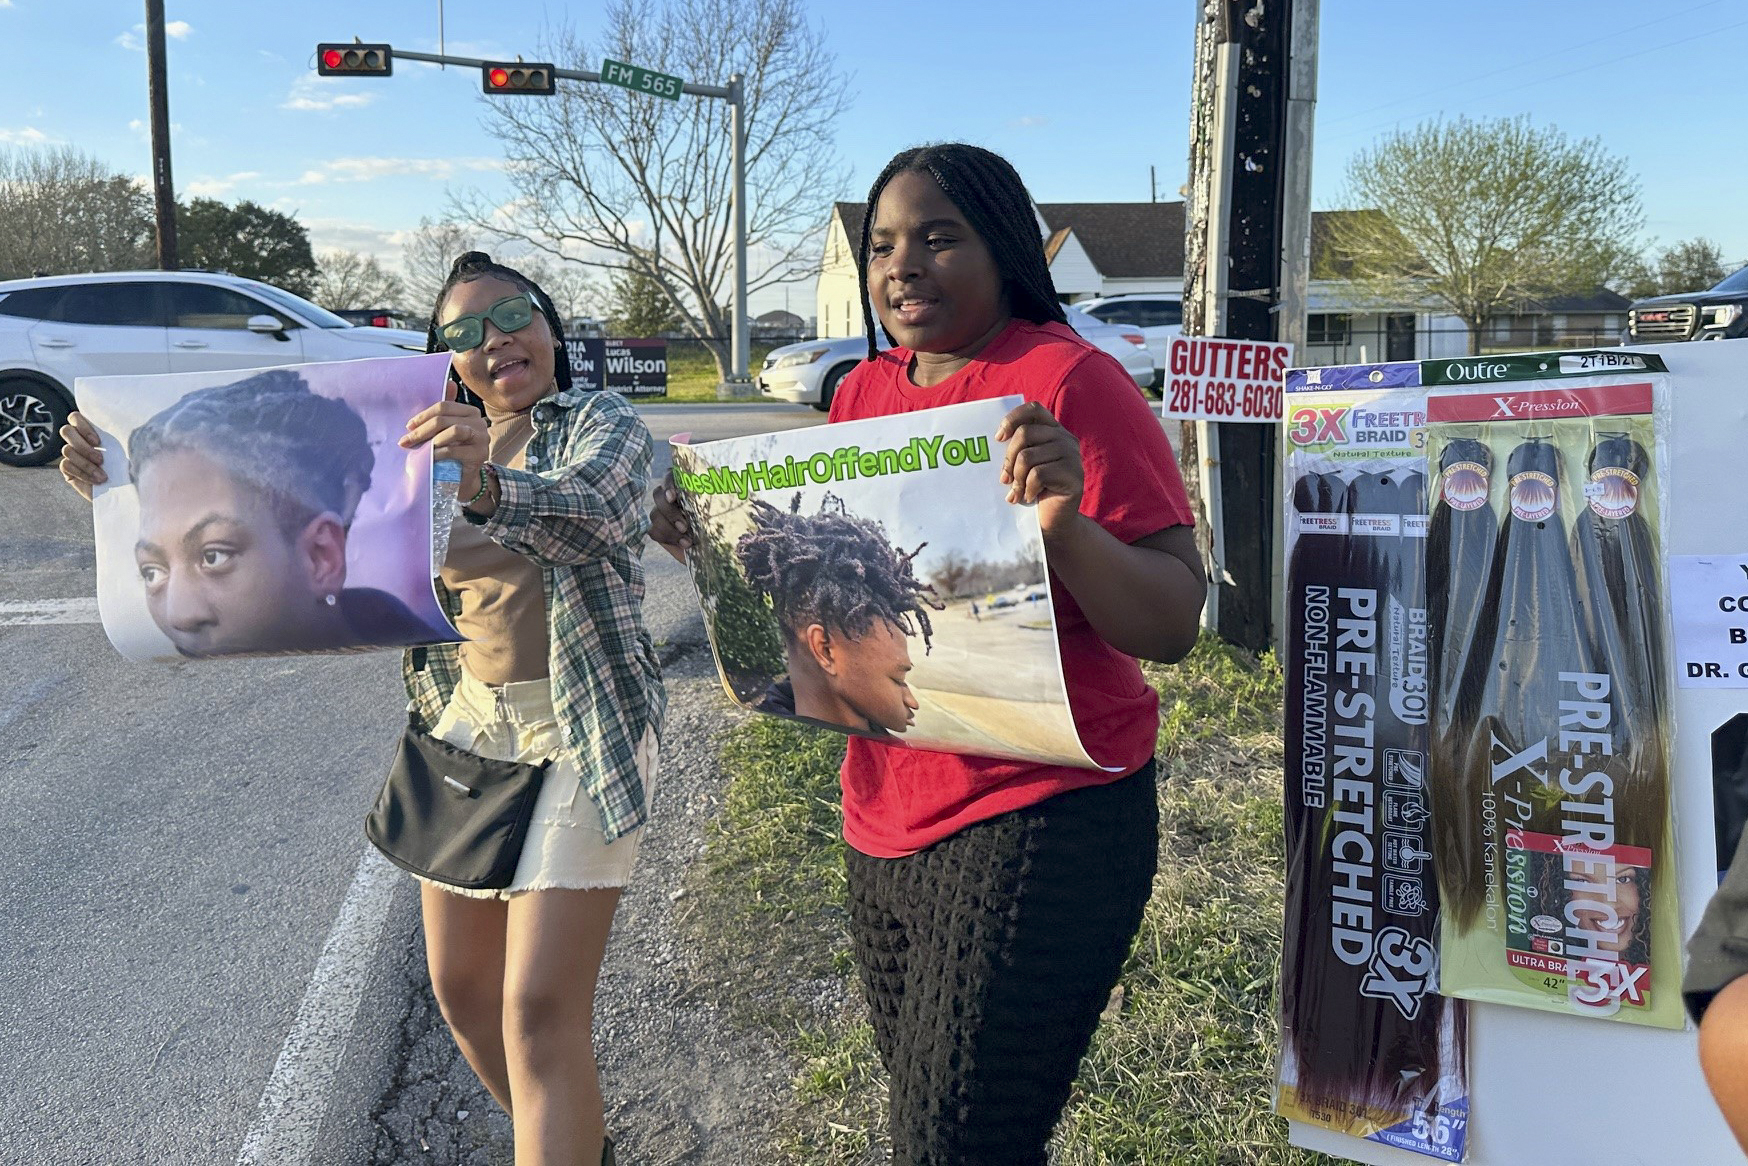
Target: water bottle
x=445 y=506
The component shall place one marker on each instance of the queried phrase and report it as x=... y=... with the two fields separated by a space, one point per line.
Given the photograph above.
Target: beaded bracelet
x=484 y=481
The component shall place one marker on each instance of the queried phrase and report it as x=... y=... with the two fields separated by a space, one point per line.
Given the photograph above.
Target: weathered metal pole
x=157 y=87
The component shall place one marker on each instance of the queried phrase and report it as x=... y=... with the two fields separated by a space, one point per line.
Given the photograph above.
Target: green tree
x=1690 y=265
x=63 y=211
x=639 y=305
x=1482 y=217
x=348 y=279
x=246 y=239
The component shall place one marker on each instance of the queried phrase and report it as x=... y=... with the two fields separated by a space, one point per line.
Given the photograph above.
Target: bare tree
x=64 y=211
x=631 y=182
x=1483 y=217
x=349 y=279
x=427 y=254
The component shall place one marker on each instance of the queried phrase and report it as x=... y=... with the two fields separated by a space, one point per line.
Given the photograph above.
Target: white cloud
x=370 y=169
x=312 y=91
x=28 y=136
x=1029 y=122
x=134 y=40
x=218 y=187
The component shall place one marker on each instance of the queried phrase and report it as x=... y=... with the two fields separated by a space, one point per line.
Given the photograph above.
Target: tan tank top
x=503 y=594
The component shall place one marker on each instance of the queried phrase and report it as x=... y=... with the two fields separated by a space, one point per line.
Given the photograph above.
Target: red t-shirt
x=897 y=799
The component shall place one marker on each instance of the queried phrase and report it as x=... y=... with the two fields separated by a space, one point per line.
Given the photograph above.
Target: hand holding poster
x=262 y=512
x=872 y=578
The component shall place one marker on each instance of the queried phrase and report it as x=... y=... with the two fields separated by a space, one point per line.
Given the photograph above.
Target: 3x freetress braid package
x=1550 y=765
x=1370 y=1048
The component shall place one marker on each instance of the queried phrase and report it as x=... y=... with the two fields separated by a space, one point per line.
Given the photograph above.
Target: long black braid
x=989 y=193
x=833 y=569
x=472 y=265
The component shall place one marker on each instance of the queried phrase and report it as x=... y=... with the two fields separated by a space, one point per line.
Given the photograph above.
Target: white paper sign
x=1211 y=379
x=1709 y=601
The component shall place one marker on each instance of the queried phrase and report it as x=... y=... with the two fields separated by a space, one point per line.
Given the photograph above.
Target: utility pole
x=157 y=87
x=1245 y=272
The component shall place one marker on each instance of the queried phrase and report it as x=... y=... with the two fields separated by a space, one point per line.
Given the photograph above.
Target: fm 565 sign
x=1208 y=379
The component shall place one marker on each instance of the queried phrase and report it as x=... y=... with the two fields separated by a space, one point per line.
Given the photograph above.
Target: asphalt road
x=178 y=841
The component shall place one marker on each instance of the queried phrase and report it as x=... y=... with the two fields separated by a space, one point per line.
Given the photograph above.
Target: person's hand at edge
x=668 y=525
x=82 y=457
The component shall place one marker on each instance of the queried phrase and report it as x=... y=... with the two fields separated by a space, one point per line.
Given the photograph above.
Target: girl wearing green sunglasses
x=551 y=541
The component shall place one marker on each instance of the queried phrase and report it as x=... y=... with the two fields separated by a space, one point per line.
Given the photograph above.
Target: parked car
x=376 y=318
x=1160 y=317
x=809 y=373
x=1719 y=313
x=57 y=329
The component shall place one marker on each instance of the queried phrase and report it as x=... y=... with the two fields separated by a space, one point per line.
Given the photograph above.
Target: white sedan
x=810 y=372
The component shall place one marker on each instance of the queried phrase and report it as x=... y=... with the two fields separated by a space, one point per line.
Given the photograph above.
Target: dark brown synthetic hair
x=988 y=192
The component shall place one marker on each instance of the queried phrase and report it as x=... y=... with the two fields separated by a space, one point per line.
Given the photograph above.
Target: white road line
x=24 y=612
x=295 y=1100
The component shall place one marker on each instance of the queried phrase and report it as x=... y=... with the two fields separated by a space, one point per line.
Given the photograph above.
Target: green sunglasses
x=510 y=314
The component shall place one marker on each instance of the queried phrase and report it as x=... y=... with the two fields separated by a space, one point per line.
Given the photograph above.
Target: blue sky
x=1082 y=97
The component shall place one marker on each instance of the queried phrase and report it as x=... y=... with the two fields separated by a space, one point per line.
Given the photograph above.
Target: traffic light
x=354 y=60
x=516 y=77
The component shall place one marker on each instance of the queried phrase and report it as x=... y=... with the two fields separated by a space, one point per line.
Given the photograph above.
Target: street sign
x=640 y=80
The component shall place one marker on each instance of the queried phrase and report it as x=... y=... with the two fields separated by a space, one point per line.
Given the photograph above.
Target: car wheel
x=829 y=387
x=31 y=416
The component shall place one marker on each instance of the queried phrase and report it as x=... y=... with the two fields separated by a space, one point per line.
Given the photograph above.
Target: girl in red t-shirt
x=993 y=902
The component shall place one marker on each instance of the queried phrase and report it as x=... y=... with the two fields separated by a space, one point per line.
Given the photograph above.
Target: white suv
x=55 y=330
x=1159 y=317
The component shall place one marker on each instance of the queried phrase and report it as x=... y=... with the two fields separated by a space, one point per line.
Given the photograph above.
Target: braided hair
x=989 y=193
x=472 y=265
x=833 y=569
x=305 y=453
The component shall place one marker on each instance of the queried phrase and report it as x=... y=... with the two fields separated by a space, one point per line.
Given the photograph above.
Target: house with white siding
x=1113 y=248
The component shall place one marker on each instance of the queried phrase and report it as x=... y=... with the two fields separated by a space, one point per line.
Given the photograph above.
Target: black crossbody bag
x=452 y=816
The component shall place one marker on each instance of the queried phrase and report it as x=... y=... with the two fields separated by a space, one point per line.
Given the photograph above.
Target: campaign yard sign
x=634 y=368
x=1212 y=379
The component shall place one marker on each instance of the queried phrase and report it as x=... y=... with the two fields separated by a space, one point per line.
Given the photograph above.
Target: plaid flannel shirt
x=578 y=510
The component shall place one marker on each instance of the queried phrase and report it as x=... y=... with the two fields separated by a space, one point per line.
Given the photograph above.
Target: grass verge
x=1182 y=1069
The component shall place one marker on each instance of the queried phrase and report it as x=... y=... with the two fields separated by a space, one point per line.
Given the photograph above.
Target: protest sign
x=871 y=577
x=265 y=511
x=1210 y=379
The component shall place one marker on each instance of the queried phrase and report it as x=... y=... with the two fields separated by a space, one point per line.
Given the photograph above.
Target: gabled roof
x=1124 y=240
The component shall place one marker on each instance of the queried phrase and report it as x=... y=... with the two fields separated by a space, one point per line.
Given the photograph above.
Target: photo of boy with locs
x=847 y=603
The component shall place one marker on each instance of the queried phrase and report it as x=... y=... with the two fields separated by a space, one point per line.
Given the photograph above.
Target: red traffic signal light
x=354 y=60
x=517 y=77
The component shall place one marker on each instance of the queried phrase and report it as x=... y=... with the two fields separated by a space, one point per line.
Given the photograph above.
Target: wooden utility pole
x=163 y=189
x=1246 y=258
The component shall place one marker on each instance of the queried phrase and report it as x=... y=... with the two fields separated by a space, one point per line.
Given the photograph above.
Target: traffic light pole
x=157 y=90
x=739 y=382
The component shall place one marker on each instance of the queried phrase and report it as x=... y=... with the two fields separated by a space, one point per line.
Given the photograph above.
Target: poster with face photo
x=265 y=511
x=871 y=577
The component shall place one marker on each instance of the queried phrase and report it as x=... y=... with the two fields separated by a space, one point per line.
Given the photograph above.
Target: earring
x=331 y=600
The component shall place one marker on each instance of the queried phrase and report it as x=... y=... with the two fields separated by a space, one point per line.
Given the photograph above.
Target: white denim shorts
x=566 y=847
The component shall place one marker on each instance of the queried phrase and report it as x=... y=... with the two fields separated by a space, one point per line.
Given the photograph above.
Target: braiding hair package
x=1550 y=711
x=1370 y=1048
